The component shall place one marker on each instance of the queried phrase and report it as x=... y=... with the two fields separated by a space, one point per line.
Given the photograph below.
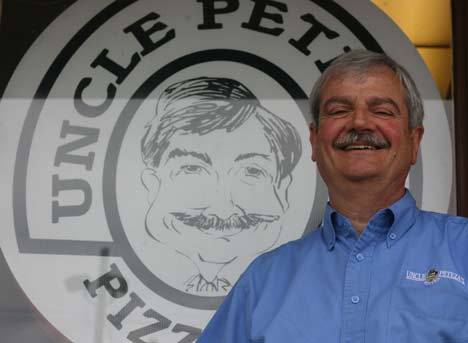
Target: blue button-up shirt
x=404 y=279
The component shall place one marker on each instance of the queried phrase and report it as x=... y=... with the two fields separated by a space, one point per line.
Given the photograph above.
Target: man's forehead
x=371 y=100
x=352 y=79
x=359 y=74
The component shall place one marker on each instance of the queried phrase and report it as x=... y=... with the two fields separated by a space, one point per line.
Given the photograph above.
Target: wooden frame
x=460 y=93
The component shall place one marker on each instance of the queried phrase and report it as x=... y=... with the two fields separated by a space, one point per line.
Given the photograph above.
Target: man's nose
x=361 y=119
x=222 y=204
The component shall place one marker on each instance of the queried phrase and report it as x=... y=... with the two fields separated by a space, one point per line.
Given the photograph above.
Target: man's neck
x=359 y=203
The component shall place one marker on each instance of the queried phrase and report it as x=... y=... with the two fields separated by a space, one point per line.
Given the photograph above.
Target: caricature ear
x=282 y=191
x=152 y=183
x=313 y=139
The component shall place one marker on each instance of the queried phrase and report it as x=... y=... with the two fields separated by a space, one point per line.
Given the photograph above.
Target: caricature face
x=215 y=201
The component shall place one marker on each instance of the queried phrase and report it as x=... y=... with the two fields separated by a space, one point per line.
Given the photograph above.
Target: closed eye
x=337 y=112
x=383 y=106
x=385 y=113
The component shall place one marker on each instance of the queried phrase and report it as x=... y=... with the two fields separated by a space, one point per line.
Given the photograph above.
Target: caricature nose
x=222 y=204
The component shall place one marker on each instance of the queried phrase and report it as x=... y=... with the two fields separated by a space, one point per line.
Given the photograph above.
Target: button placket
x=357 y=286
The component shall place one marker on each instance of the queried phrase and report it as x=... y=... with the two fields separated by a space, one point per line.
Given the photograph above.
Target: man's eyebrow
x=252 y=155
x=345 y=100
x=376 y=101
x=177 y=152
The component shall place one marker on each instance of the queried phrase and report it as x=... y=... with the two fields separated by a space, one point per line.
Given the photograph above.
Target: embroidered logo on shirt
x=433 y=275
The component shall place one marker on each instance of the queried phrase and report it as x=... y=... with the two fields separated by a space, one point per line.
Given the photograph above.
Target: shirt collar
x=405 y=213
x=402 y=213
x=328 y=231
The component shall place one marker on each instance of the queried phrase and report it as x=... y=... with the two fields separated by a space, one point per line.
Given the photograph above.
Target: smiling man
x=218 y=169
x=377 y=269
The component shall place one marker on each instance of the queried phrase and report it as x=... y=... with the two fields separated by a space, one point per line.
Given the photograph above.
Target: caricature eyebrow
x=182 y=152
x=376 y=101
x=252 y=155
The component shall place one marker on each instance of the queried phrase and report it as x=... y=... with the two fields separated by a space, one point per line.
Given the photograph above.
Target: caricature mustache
x=234 y=221
x=364 y=138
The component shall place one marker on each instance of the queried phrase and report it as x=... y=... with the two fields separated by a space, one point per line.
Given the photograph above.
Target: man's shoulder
x=445 y=230
x=442 y=221
x=448 y=234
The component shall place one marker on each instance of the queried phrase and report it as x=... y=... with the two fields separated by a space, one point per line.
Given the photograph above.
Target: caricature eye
x=254 y=172
x=191 y=169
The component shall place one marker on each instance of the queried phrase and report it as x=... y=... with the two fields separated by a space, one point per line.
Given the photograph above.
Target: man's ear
x=281 y=191
x=152 y=183
x=312 y=139
x=416 y=137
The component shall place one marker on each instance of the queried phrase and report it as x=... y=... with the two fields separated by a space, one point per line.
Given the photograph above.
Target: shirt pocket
x=428 y=314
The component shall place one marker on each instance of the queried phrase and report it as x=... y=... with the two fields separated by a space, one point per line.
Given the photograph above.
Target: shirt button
x=355 y=299
x=392 y=235
x=360 y=257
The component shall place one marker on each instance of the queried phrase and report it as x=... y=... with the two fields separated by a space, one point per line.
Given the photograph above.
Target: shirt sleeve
x=232 y=322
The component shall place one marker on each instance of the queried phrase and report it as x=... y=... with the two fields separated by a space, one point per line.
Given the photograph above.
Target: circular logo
x=165 y=145
x=432 y=276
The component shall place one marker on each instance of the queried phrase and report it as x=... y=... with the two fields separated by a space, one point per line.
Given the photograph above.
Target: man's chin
x=361 y=175
x=359 y=172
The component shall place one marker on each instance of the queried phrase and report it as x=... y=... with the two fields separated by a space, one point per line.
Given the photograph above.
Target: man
x=377 y=269
x=217 y=187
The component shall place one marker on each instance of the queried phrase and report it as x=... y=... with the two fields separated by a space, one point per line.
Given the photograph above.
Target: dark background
x=21 y=23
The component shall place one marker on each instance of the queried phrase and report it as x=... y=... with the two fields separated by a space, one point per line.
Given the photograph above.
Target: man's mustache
x=363 y=138
x=234 y=221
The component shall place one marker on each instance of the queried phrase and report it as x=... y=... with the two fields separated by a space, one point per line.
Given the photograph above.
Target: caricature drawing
x=218 y=169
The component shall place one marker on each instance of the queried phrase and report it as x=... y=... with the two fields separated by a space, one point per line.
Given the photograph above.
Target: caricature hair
x=205 y=104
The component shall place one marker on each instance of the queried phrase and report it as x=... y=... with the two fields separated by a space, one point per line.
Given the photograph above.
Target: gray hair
x=360 y=62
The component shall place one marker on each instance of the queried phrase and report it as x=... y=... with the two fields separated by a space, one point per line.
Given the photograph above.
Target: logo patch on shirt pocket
x=433 y=275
